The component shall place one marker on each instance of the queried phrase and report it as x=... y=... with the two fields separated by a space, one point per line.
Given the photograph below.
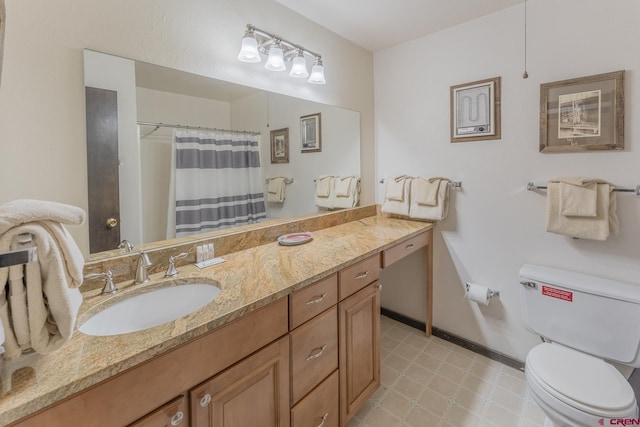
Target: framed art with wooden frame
x=475 y=111
x=311 y=133
x=280 y=145
x=582 y=114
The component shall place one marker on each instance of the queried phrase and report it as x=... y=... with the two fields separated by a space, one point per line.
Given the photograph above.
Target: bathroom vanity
x=292 y=339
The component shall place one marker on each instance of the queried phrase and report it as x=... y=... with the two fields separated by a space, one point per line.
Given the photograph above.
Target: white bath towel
x=325 y=194
x=578 y=195
x=399 y=202
x=418 y=209
x=425 y=190
x=46 y=297
x=351 y=201
x=598 y=227
x=276 y=191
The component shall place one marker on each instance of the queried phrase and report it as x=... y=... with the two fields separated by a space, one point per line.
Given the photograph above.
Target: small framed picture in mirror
x=280 y=145
x=311 y=133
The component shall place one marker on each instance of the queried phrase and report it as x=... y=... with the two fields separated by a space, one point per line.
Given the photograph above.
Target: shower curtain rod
x=167 y=125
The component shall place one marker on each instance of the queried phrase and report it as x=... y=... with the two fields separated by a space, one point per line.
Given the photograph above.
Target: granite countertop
x=249 y=279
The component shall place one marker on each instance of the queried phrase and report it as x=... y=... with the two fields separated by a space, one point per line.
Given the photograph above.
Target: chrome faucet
x=142 y=275
x=109 y=287
x=128 y=247
x=171 y=271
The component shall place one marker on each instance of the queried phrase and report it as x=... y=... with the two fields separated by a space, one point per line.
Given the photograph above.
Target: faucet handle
x=171 y=271
x=109 y=286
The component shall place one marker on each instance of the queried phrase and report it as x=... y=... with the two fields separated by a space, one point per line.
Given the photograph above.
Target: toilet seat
x=579 y=380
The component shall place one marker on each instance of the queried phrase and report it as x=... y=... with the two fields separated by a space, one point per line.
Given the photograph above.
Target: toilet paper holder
x=492 y=293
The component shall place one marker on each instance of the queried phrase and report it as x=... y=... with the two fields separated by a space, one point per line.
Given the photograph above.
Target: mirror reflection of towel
x=323 y=186
x=342 y=186
x=276 y=190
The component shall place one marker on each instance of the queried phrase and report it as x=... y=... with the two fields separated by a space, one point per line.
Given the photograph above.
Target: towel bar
x=286 y=180
x=454 y=184
x=532 y=187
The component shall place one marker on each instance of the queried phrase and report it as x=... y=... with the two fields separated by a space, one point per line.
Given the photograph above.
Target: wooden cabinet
x=172 y=414
x=359 y=349
x=320 y=407
x=254 y=392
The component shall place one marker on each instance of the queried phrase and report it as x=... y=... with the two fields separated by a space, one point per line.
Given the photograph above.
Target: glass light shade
x=275 y=62
x=317 y=75
x=299 y=68
x=249 y=50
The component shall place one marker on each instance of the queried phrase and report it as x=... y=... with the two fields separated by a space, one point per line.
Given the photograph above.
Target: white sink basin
x=149 y=309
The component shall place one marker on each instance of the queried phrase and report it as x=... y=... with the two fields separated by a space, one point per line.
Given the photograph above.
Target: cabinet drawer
x=314 y=352
x=312 y=300
x=173 y=413
x=320 y=407
x=402 y=249
x=359 y=275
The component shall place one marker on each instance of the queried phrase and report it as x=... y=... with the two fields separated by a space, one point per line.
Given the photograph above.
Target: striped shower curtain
x=217 y=180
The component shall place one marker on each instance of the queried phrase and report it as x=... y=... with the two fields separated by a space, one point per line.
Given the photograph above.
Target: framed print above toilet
x=280 y=146
x=582 y=114
x=311 y=133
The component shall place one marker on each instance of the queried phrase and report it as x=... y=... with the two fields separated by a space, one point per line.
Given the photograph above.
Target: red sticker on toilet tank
x=557 y=293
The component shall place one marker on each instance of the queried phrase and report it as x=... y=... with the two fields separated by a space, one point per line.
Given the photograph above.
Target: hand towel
x=578 y=195
x=394 y=188
x=52 y=298
x=393 y=205
x=323 y=185
x=598 y=227
x=276 y=191
x=342 y=186
x=354 y=196
x=436 y=212
x=325 y=194
x=426 y=190
x=26 y=210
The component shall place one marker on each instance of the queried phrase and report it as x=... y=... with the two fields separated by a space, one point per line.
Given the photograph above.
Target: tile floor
x=429 y=382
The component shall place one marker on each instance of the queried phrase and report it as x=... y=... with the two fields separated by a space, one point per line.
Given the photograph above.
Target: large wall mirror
x=148 y=93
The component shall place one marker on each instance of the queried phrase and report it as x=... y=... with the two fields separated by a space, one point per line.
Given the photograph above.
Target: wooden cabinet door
x=173 y=413
x=359 y=349
x=254 y=392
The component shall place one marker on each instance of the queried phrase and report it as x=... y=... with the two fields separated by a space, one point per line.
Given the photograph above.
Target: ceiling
x=378 y=24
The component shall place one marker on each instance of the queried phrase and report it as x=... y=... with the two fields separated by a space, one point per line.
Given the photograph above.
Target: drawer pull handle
x=317 y=299
x=206 y=399
x=177 y=418
x=409 y=246
x=362 y=275
x=317 y=353
x=324 y=417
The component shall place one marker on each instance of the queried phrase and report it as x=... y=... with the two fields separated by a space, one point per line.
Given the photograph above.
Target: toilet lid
x=586 y=380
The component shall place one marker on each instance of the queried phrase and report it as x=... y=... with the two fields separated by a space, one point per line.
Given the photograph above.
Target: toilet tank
x=588 y=313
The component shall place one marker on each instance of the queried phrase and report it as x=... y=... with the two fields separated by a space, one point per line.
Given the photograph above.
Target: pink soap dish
x=294 y=239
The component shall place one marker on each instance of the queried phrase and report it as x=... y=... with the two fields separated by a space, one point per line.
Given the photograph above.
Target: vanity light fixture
x=278 y=51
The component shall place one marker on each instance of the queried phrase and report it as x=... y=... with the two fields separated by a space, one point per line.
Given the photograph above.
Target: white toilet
x=586 y=323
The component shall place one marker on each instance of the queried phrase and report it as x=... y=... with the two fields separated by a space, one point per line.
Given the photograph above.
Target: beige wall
x=42 y=131
x=495 y=225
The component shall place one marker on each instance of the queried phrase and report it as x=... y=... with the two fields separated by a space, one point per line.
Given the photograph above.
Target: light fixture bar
x=285 y=42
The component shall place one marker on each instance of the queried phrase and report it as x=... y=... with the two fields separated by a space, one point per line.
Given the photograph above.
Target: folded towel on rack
x=351 y=201
x=433 y=210
x=599 y=227
x=325 y=193
x=276 y=191
x=342 y=186
x=395 y=188
x=425 y=191
x=578 y=196
x=397 y=201
x=44 y=293
x=324 y=183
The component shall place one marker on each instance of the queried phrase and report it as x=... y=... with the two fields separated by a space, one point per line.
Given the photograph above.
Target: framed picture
x=475 y=111
x=280 y=146
x=311 y=133
x=583 y=114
